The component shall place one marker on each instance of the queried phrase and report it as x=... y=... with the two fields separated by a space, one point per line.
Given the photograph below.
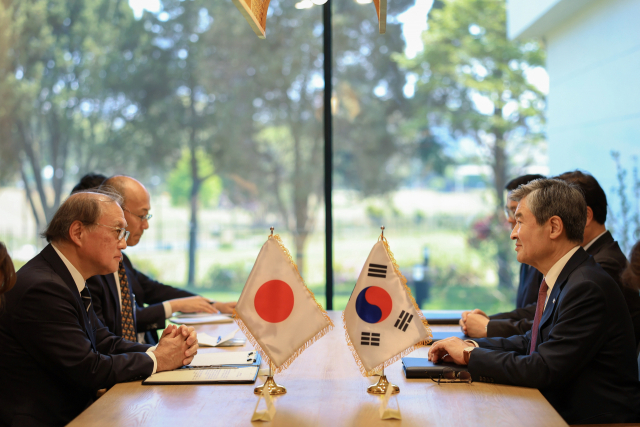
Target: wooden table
x=325 y=388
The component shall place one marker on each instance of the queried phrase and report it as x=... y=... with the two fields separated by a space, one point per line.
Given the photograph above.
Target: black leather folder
x=421 y=367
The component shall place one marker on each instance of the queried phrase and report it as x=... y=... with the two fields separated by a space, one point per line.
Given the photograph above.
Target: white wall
x=594 y=90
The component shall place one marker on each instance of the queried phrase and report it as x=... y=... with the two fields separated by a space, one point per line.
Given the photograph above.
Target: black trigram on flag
x=377 y=270
x=370 y=338
x=403 y=321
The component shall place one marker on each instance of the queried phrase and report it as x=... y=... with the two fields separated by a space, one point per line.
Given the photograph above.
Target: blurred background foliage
x=226 y=132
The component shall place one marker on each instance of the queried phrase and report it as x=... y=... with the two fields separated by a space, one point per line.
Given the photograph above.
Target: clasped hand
x=474 y=323
x=176 y=348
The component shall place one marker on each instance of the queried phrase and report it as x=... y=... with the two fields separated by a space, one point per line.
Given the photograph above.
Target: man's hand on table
x=474 y=323
x=176 y=348
x=224 y=307
x=448 y=350
x=195 y=304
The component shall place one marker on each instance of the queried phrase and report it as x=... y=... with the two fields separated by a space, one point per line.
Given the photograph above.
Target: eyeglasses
x=146 y=217
x=122 y=233
x=509 y=213
x=449 y=375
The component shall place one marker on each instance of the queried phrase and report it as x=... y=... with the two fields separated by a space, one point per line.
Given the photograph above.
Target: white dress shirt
x=588 y=245
x=552 y=275
x=80 y=283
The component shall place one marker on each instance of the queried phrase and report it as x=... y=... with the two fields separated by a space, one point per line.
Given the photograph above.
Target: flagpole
x=383 y=384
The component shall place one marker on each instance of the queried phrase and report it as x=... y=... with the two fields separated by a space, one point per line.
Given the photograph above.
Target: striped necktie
x=86 y=298
x=128 y=328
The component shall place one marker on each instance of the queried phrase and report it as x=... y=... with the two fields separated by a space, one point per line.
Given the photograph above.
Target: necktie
x=128 y=328
x=542 y=296
x=86 y=298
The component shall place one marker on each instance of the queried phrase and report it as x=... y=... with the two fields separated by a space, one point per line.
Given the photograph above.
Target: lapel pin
x=554 y=301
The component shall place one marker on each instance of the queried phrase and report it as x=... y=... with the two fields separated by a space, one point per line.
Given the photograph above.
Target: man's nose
x=514 y=233
x=122 y=244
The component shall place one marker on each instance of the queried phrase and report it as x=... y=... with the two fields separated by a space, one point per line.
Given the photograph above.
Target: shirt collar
x=588 y=245
x=77 y=277
x=554 y=272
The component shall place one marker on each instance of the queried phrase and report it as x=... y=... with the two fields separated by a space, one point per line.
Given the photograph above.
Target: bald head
x=127 y=187
x=85 y=207
x=136 y=204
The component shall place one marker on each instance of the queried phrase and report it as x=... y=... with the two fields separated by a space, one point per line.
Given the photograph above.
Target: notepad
x=228 y=375
x=226 y=358
x=200 y=318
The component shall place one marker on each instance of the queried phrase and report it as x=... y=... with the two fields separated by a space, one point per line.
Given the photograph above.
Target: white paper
x=203 y=375
x=224 y=358
x=387 y=413
x=200 y=318
x=207 y=340
x=267 y=414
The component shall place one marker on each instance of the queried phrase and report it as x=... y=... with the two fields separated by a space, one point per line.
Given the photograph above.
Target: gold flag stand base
x=381 y=386
x=273 y=388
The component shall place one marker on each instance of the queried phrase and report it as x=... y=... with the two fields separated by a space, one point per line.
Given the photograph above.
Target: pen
x=210 y=367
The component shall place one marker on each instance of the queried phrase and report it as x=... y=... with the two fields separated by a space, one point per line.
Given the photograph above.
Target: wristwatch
x=466 y=352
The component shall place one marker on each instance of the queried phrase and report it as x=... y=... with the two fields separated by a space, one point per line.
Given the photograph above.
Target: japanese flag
x=382 y=321
x=276 y=311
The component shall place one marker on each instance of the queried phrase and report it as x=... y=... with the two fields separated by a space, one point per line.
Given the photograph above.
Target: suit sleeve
x=153 y=294
x=515 y=322
x=63 y=346
x=577 y=335
x=156 y=292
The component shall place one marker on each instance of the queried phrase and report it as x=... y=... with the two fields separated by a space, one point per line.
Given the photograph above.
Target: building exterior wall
x=593 y=62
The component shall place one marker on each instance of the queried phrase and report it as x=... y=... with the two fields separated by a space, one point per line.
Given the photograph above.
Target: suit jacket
x=529 y=285
x=584 y=361
x=607 y=253
x=144 y=290
x=56 y=355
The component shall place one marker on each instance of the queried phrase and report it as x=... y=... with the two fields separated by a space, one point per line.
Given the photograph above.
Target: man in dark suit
x=580 y=352
x=161 y=300
x=55 y=352
x=598 y=242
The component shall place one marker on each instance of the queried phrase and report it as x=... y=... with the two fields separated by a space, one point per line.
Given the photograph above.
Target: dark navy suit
x=104 y=292
x=607 y=253
x=54 y=354
x=584 y=361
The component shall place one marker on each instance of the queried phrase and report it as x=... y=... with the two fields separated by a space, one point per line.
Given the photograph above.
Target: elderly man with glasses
x=55 y=352
x=122 y=308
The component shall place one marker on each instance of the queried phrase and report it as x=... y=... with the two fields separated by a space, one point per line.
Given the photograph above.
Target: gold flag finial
x=382 y=228
x=271 y=230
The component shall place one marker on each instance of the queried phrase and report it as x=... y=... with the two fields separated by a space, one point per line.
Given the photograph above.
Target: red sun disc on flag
x=274 y=301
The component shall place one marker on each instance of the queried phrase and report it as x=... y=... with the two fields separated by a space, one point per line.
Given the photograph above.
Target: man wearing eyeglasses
x=581 y=351
x=476 y=323
x=55 y=352
x=162 y=300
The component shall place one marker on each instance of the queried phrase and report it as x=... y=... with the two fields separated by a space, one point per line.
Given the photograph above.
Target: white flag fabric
x=276 y=310
x=382 y=321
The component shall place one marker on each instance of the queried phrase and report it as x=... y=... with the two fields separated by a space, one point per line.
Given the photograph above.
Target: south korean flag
x=382 y=321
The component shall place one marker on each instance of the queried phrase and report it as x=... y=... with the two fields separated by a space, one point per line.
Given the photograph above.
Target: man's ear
x=556 y=226
x=76 y=232
x=589 y=216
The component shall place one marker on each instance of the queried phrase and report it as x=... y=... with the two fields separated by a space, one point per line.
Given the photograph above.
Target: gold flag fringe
x=245 y=330
x=408 y=350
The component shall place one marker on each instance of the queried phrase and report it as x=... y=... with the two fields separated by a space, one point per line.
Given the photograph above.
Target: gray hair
x=554 y=197
x=83 y=206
